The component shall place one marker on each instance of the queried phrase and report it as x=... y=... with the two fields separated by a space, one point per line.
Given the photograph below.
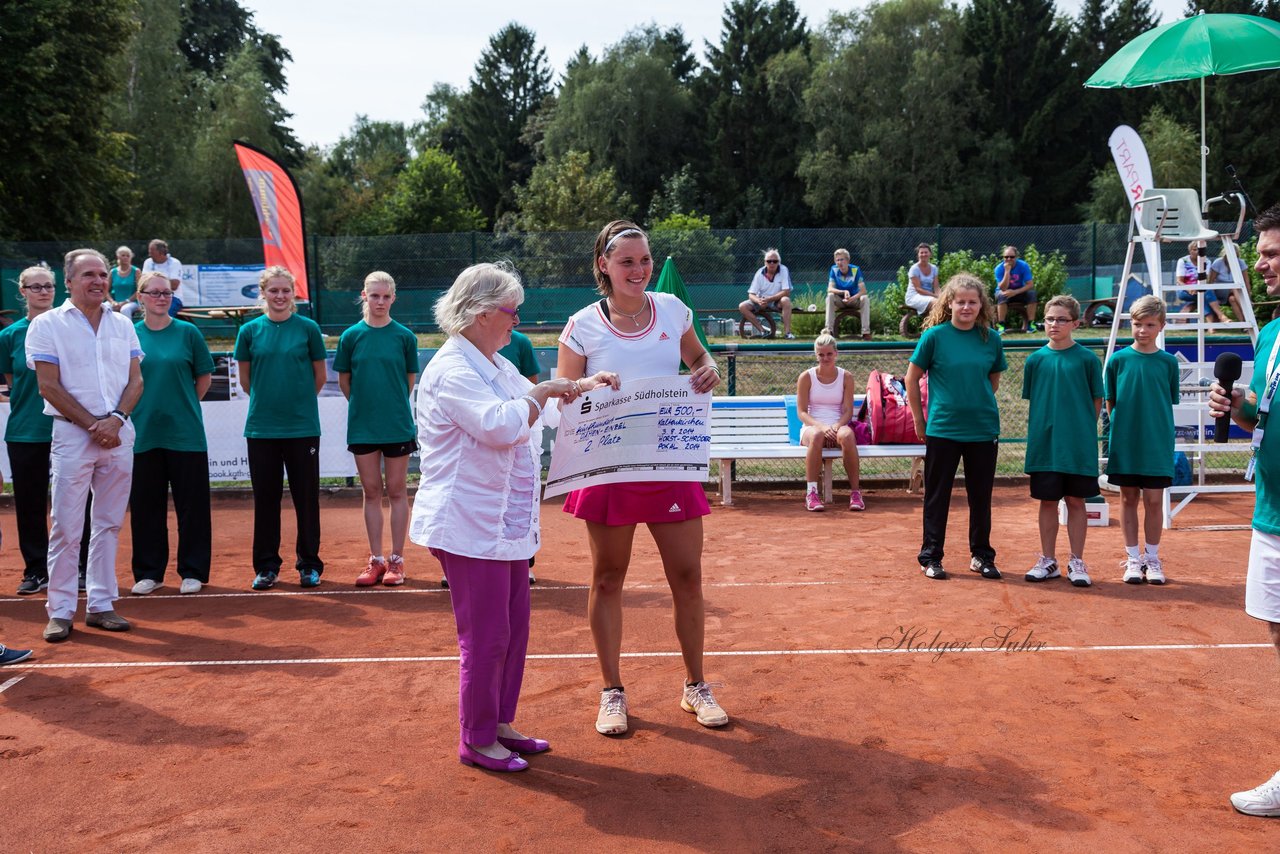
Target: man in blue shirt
x=1014 y=285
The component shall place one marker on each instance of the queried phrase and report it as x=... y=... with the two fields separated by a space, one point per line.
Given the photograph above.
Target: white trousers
x=76 y=466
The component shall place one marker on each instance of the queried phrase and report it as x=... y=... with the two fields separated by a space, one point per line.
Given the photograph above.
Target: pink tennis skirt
x=637 y=503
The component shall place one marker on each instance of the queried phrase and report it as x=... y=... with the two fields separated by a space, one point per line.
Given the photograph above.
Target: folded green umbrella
x=669 y=282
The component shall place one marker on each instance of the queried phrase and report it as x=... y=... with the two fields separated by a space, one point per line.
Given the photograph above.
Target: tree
x=1100 y=31
x=755 y=129
x=1175 y=162
x=214 y=31
x=60 y=161
x=356 y=177
x=242 y=109
x=628 y=110
x=430 y=196
x=510 y=81
x=566 y=194
x=155 y=112
x=1031 y=95
x=1238 y=110
x=893 y=107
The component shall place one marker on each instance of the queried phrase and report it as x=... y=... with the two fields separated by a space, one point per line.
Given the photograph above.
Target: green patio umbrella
x=669 y=282
x=1193 y=49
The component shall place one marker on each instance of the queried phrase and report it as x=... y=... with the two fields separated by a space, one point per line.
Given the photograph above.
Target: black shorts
x=1054 y=485
x=391 y=449
x=1145 y=481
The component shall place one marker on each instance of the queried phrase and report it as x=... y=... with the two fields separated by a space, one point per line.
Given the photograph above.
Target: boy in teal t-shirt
x=1141 y=386
x=1062 y=383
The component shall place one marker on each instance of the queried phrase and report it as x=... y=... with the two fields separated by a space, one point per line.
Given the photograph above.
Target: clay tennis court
x=327 y=720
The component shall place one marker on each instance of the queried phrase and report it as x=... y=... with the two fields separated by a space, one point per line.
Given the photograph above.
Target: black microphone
x=1226 y=370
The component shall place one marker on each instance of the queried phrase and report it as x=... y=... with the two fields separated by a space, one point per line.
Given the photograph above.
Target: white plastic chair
x=1170 y=216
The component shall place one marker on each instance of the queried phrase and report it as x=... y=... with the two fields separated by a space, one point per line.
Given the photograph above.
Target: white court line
x=14 y=681
x=572 y=656
x=391 y=591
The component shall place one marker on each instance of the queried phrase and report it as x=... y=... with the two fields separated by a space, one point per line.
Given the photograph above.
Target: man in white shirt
x=86 y=360
x=160 y=259
x=770 y=291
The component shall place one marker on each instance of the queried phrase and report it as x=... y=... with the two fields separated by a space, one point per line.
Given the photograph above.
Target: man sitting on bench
x=770 y=291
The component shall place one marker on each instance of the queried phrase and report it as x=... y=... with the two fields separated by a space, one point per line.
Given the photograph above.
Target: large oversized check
x=651 y=429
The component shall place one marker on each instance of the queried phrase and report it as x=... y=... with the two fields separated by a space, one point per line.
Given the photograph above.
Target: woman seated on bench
x=824 y=402
x=920 y=281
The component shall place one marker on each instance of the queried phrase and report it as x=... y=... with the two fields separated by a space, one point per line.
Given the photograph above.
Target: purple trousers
x=491 y=610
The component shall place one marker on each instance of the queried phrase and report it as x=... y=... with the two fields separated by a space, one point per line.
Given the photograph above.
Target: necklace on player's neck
x=634 y=317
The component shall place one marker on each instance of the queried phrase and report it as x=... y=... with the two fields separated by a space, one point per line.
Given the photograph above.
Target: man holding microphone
x=1251 y=409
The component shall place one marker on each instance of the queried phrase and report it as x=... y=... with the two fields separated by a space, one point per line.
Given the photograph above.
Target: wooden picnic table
x=237 y=314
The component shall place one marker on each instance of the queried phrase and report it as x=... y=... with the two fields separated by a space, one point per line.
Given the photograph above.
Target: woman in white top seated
x=921 y=279
x=479 y=429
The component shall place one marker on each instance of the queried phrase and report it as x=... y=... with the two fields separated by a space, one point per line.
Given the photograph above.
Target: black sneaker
x=28 y=586
x=985 y=568
x=264 y=581
x=934 y=570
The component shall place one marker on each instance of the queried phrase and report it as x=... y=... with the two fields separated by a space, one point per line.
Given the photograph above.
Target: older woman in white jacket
x=480 y=430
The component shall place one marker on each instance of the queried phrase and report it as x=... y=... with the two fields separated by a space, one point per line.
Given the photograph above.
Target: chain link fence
x=717 y=265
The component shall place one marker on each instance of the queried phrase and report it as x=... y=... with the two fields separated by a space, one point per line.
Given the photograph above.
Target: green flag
x=669 y=282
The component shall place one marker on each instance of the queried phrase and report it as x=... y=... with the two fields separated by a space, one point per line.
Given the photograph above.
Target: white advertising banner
x=223 y=284
x=228 y=451
x=649 y=430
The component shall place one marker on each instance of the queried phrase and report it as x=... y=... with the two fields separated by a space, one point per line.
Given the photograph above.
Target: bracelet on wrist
x=534 y=401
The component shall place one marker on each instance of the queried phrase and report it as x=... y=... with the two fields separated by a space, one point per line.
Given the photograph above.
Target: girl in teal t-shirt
x=962 y=355
x=170 y=452
x=281 y=360
x=377 y=362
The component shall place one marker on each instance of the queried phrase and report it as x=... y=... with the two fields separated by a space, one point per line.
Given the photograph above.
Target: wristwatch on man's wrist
x=121 y=414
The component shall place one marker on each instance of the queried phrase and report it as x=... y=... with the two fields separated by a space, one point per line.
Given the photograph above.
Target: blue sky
x=381 y=57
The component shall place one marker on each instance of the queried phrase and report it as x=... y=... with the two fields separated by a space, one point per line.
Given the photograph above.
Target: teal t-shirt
x=27 y=421
x=282 y=382
x=379 y=360
x=168 y=413
x=962 y=406
x=1062 y=420
x=520 y=353
x=1142 y=389
x=1266 y=509
x=124 y=287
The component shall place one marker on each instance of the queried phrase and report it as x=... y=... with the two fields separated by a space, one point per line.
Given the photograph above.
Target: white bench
x=760 y=428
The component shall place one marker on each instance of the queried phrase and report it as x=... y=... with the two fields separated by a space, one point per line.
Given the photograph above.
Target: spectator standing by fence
x=964 y=359
x=280 y=356
x=847 y=291
x=27 y=435
x=160 y=259
x=636 y=334
x=376 y=363
x=87 y=363
x=171 y=450
x=770 y=290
